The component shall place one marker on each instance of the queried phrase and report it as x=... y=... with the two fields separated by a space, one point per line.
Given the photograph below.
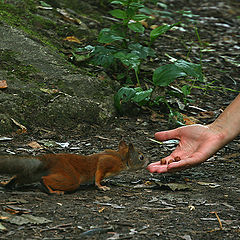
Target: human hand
x=196 y=144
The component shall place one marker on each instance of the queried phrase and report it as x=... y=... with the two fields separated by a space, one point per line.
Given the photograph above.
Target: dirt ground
x=204 y=203
x=137 y=206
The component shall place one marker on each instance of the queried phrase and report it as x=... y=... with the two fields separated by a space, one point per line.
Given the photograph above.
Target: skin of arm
x=197 y=142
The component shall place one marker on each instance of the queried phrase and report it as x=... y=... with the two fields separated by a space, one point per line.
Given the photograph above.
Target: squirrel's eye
x=141 y=157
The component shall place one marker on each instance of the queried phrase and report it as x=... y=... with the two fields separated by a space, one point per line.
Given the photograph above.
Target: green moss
x=84 y=8
x=9 y=14
x=34 y=25
x=10 y=64
x=22 y=18
x=25 y=16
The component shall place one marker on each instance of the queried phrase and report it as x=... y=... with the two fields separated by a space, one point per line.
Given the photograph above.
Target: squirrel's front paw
x=104 y=188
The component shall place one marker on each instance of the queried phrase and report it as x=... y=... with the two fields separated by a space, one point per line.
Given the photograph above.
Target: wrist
x=227 y=125
x=221 y=131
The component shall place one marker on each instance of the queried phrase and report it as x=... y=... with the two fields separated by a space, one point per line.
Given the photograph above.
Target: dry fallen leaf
x=23 y=128
x=2 y=228
x=219 y=220
x=5 y=139
x=44 y=8
x=173 y=186
x=101 y=210
x=66 y=16
x=49 y=91
x=209 y=184
x=3 y=84
x=16 y=210
x=206 y=114
x=189 y=120
x=35 y=145
x=144 y=23
x=72 y=39
x=24 y=219
x=229 y=156
x=153 y=26
x=155 y=117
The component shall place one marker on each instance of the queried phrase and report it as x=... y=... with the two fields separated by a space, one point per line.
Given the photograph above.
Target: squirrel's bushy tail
x=24 y=165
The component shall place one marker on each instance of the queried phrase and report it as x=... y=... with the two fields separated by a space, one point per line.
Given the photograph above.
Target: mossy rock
x=33 y=71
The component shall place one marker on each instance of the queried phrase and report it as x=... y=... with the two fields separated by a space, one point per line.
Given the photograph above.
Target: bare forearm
x=199 y=142
x=228 y=123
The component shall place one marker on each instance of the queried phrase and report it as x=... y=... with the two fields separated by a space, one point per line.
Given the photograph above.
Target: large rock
x=32 y=71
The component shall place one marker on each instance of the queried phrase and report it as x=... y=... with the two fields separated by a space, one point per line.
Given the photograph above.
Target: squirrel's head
x=134 y=159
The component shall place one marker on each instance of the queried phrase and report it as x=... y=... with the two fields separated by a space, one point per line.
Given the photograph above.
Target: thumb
x=167 y=135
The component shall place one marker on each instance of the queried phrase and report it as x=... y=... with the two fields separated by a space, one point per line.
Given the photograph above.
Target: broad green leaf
x=124 y=94
x=141 y=51
x=129 y=59
x=155 y=33
x=107 y=35
x=148 y=11
x=191 y=69
x=140 y=17
x=81 y=57
x=123 y=2
x=188 y=14
x=136 y=95
x=166 y=14
x=103 y=56
x=130 y=13
x=43 y=4
x=166 y=74
x=136 y=27
x=120 y=54
x=186 y=90
x=162 y=5
x=138 y=89
x=88 y=48
x=118 y=13
x=142 y=95
x=82 y=54
x=136 y=4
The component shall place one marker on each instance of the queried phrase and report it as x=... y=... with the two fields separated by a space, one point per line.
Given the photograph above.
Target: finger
x=154 y=168
x=169 y=164
x=155 y=163
x=175 y=167
x=182 y=164
x=167 y=135
x=162 y=161
x=169 y=159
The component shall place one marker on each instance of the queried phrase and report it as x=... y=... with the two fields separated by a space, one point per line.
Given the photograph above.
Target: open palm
x=196 y=144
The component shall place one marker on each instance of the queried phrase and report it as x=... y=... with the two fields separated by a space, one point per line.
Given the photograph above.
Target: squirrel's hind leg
x=59 y=183
x=49 y=190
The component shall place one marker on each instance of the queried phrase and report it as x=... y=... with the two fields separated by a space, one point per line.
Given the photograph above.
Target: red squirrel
x=59 y=173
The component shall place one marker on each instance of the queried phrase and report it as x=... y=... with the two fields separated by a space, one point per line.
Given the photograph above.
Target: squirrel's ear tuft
x=130 y=147
x=122 y=144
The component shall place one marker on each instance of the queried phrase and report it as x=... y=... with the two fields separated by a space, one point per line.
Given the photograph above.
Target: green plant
x=121 y=45
x=122 y=52
x=163 y=77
